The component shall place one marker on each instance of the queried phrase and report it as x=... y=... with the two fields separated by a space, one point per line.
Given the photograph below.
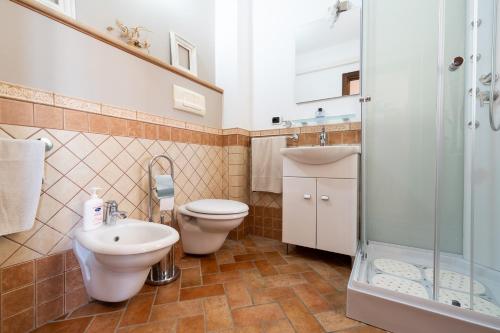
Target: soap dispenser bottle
x=92 y=211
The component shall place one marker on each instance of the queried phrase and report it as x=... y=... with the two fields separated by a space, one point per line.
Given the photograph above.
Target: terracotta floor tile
x=246 y=329
x=248 y=257
x=166 y=326
x=176 y=310
x=337 y=301
x=221 y=277
x=209 y=265
x=301 y=319
x=190 y=277
x=224 y=257
x=269 y=295
x=96 y=308
x=253 y=279
x=332 y=321
x=237 y=294
x=311 y=298
x=318 y=282
x=275 y=258
x=285 y=280
x=203 y=291
x=146 y=289
x=248 y=242
x=194 y=324
x=254 y=315
x=168 y=293
x=237 y=266
x=105 y=323
x=362 y=329
x=279 y=326
x=188 y=262
x=339 y=283
x=138 y=310
x=249 y=286
x=217 y=313
x=265 y=268
x=78 y=325
x=293 y=268
x=325 y=270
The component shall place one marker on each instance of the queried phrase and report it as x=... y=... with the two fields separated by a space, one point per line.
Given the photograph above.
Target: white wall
x=45 y=54
x=233 y=60
x=273 y=72
x=191 y=19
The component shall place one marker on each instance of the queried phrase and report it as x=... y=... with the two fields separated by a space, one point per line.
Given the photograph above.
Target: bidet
x=115 y=259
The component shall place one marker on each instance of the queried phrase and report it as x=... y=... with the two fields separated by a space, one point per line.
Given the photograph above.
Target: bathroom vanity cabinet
x=320 y=204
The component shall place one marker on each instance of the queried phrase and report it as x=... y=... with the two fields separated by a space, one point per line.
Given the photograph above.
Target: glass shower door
x=484 y=229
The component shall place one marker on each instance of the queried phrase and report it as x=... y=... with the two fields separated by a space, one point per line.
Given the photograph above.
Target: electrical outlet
x=276 y=120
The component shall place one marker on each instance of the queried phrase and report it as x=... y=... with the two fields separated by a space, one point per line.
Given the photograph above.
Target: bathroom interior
x=250 y=166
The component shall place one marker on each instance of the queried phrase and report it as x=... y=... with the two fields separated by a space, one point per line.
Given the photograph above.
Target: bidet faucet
x=111 y=212
x=323 y=137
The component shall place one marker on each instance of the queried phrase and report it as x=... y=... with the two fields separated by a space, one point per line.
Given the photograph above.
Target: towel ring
x=48 y=144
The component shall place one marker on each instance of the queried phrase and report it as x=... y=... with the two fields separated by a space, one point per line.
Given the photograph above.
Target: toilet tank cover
x=217 y=207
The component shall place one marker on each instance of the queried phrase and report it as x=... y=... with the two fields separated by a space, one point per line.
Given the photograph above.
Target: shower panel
x=431 y=168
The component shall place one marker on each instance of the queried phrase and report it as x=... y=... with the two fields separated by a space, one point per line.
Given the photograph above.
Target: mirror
x=327 y=54
x=176 y=32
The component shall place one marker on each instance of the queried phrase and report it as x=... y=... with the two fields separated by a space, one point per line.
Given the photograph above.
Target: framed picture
x=66 y=7
x=183 y=54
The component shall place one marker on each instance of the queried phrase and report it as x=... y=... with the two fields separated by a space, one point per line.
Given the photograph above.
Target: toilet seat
x=217 y=207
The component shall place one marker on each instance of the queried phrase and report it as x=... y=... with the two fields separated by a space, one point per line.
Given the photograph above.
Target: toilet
x=205 y=224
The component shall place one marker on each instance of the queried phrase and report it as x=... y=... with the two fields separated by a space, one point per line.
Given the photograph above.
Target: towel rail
x=48 y=144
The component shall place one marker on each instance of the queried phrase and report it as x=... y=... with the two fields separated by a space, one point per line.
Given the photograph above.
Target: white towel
x=267 y=164
x=21 y=173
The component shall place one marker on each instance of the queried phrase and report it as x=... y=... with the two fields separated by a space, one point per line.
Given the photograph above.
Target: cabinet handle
x=307 y=196
x=325 y=198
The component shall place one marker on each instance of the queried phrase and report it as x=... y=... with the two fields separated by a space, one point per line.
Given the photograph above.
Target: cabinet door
x=337 y=224
x=299 y=211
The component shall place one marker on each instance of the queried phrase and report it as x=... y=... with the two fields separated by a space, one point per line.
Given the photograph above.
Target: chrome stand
x=165 y=271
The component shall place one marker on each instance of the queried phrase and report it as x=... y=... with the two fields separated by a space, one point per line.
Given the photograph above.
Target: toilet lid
x=217 y=207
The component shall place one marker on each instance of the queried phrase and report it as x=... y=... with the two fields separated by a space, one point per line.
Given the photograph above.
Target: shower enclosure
x=430 y=250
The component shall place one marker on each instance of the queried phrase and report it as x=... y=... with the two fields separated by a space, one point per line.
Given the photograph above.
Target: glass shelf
x=323 y=120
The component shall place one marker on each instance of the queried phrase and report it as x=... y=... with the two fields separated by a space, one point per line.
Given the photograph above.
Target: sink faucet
x=323 y=137
x=111 y=213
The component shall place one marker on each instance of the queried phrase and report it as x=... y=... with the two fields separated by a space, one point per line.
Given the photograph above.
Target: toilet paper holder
x=165 y=271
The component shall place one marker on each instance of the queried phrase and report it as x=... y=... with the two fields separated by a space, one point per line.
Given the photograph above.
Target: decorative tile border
x=76 y=104
x=22 y=93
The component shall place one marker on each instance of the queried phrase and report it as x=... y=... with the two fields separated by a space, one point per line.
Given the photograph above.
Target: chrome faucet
x=323 y=137
x=111 y=213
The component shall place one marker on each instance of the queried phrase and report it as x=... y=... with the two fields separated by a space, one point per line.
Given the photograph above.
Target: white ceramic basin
x=115 y=260
x=128 y=236
x=320 y=154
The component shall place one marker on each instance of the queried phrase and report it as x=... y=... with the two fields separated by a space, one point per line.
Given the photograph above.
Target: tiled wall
x=109 y=147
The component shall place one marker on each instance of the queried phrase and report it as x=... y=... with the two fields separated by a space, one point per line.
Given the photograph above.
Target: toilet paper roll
x=164 y=186
x=167 y=204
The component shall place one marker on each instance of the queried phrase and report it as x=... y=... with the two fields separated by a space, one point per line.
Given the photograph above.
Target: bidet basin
x=316 y=155
x=128 y=236
x=115 y=259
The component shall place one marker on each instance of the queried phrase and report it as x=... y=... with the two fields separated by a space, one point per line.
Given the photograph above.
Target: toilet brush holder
x=165 y=271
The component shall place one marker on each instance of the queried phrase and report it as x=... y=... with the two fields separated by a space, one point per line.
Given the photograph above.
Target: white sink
x=320 y=154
